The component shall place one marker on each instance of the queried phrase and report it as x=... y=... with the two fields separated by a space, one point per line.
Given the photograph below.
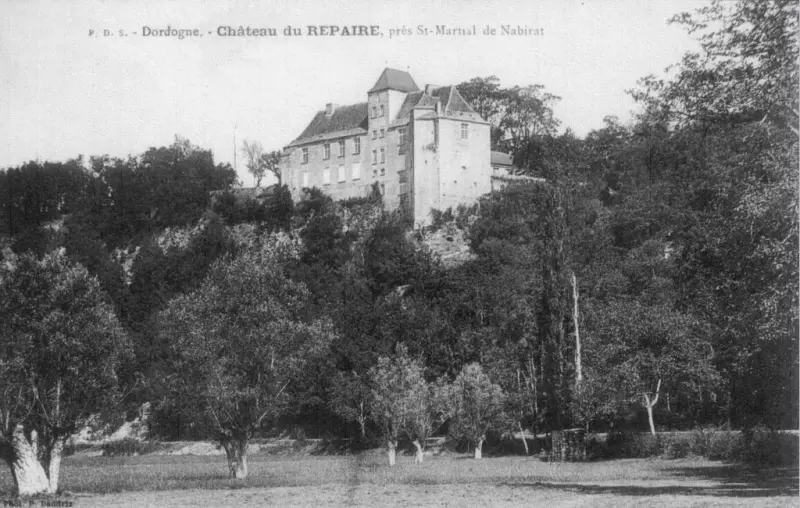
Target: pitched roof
x=453 y=106
x=393 y=79
x=353 y=120
x=345 y=121
x=456 y=103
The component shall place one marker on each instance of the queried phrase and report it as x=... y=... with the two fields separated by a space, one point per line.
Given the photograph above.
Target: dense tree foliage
x=403 y=404
x=648 y=278
x=62 y=351
x=476 y=405
x=240 y=348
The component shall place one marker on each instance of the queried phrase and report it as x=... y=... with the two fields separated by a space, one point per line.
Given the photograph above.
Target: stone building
x=425 y=148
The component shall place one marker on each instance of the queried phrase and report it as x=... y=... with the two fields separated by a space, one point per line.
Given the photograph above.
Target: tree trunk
x=236 y=451
x=29 y=475
x=362 y=421
x=419 y=456
x=524 y=440
x=650 y=418
x=478 y=449
x=649 y=405
x=392 y=451
x=578 y=369
x=54 y=467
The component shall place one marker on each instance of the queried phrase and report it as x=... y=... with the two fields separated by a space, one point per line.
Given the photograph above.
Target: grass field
x=450 y=480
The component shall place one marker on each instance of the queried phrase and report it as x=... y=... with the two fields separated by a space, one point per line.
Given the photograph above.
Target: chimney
x=429 y=89
x=329 y=109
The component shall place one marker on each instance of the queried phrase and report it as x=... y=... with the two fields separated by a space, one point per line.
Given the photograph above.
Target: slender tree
x=403 y=403
x=476 y=406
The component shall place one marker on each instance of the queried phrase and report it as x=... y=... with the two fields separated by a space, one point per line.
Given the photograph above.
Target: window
x=356 y=146
x=401 y=149
x=383 y=155
x=383 y=189
x=374 y=112
x=374 y=156
x=326 y=176
x=305 y=155
x=381 y=134
x=374 y=134
x=356 y=171
x=383 y=171
x=402 y=176
x=305 y=178
x=341 y=148
x=341 y=173
x=383 y=111
x=464 y=130
x=326 y=151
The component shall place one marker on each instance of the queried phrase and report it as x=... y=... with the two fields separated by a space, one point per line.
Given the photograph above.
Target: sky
x=67 y=89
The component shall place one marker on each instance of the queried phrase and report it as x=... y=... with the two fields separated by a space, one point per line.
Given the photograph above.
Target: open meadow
x=448 y=480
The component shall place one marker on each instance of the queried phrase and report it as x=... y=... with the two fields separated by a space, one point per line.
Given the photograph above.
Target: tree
x=476 y=405
x=241 y=348
x=271 y=162
x=350 y=399
x=259 y=162
x=253 y=150
x=62 y=349
x=486 y=97
x=632 y=350
x=732 y=108
x=164 y=187
x=516 y=114
x=528 y=114
x=403 y=403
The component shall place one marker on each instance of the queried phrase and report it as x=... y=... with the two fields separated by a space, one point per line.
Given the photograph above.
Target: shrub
x=440 y=218
x=629 y=445
x=645 y=445
x=716 y=444
x=766 y=447
x=723 y=445
x=678 y=448
x=236 y=209
x=128 y=447
x=71 y=448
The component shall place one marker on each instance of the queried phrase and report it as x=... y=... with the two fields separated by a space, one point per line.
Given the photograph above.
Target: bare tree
x=271 y=162
x=253 y=152
x=259 y=162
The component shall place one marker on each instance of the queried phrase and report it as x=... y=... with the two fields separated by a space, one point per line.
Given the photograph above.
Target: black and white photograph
x=376 y=253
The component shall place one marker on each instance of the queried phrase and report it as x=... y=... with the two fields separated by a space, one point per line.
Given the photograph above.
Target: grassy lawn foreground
x=365 y=480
